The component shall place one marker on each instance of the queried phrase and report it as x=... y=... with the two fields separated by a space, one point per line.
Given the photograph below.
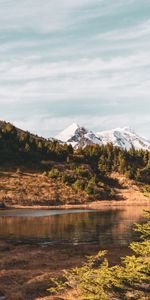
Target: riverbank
x=36 y=191
x=28 y=259
x=25 y=270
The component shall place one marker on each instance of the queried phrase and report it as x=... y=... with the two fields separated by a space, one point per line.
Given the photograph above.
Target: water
x=107 y=227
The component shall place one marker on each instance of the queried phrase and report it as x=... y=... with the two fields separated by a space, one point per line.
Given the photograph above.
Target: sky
x=83 y=61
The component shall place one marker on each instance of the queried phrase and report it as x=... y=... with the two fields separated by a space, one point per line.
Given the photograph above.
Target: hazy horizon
x=83 y=61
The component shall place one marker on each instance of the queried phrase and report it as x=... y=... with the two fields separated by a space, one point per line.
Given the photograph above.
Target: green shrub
x=91 y=187
x=53 y=173
x=143 y=175
x=82 y=172
x=146 y=188
x=79 y=184
x=96 y=280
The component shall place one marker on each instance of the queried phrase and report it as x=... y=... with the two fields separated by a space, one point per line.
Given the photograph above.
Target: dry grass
x=35 y=189
x=25 y=270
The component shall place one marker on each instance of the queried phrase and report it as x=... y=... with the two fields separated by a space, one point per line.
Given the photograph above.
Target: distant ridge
x=125 y=138
x=79 y=136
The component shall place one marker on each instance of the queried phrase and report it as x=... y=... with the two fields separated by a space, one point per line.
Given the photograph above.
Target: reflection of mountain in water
x=111 y=226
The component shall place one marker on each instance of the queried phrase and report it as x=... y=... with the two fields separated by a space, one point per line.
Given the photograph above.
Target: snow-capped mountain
x=125 y=137
x=78 y=136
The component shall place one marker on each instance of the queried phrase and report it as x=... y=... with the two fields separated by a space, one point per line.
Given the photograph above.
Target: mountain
x=75 y=135
x=124 y=138
x=78 y=136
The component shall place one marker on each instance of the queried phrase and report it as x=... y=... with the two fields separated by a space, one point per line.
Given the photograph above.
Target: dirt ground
x=25 y=270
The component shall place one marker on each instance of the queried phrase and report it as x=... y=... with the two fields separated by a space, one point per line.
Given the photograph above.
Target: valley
x=60 y=202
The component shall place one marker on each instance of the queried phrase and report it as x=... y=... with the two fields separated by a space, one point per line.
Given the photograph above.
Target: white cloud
x=53 y=15
x=56 y=55
x=45 y=124
x=17 y=71
x=83 y=78
x=131 y=33
x=42 y=16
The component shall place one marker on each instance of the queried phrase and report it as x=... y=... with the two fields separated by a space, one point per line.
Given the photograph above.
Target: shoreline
x=95 y=205
x=34 y=191
x=29 y=277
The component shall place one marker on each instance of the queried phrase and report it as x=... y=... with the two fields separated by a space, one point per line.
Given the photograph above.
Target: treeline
x=20 y=147
x=135 y=164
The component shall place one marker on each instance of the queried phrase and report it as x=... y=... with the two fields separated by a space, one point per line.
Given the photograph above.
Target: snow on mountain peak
x=128 y=129
x=67 y=133
x=125 y=137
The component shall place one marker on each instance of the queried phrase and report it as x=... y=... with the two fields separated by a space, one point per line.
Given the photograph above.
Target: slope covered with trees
x=82 y=173
x=20 y=147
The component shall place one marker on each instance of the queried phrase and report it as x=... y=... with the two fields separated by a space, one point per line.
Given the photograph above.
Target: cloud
x=45 y=125
x=11 y=71
x=80 y=79
x=134 y=32
x=82 y=60
x=48 y=16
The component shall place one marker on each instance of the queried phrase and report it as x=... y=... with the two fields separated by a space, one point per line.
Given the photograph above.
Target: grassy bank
x=39 y=190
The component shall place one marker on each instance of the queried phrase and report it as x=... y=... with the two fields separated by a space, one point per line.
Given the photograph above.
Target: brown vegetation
x=37 y=190
x=25 y=270
x=29 y=189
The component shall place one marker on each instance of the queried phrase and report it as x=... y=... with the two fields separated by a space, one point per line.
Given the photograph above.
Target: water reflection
x=105 y=227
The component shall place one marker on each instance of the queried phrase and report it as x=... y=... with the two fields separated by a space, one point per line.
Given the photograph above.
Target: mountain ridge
x=126 y=137
x=79 y=136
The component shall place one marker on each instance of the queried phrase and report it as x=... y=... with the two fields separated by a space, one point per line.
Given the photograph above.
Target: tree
x=53 y=173
x=27 y=148
x=91 y=187
x=96 y=280
x=144 y=175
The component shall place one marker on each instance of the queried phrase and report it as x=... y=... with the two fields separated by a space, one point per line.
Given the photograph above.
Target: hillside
x=36 y=171
x=8 y=127
x=22 y=147
x=35 y=189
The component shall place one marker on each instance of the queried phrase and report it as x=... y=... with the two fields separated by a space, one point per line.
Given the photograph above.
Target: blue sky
x=84 y=61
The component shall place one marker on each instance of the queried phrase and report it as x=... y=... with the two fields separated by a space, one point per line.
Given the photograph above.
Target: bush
x=96 y=280
x=53 y=173
x=82 y=172
x=91 y=187
x=18 y=171
x=68 y=179
x=79 y=184
x=44 y=174
x=143 y=175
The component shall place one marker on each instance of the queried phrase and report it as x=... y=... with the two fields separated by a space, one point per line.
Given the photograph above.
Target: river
x=109 y=226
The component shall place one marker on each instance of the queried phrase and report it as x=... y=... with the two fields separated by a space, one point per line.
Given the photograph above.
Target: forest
x=20 y=148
